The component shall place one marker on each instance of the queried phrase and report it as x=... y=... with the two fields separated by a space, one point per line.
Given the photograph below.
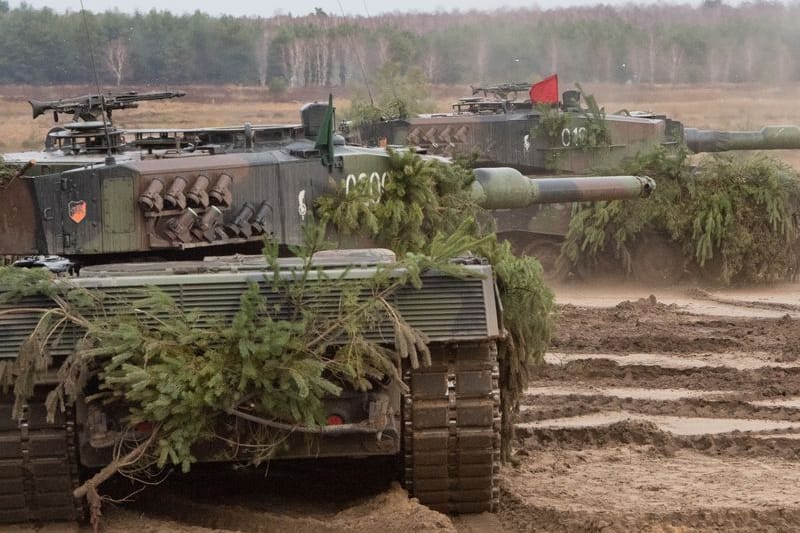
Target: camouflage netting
x=732 y=217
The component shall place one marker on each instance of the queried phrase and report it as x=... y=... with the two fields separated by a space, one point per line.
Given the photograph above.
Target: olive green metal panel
x=19 y=228
x=119 y=233
x=365 y=161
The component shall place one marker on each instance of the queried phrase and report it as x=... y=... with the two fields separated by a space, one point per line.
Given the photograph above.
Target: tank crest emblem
x=77 y=211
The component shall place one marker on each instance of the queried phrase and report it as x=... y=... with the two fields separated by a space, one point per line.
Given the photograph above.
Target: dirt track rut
x=673 y=414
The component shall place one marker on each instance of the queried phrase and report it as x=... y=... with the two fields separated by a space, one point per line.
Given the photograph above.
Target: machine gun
x=502 y=90
x=91 y=106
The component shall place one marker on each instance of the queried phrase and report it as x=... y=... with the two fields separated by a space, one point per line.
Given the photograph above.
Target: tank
x=501 y=126
x=176 y=220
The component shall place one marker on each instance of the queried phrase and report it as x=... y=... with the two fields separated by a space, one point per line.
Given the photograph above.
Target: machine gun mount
x=91 y=107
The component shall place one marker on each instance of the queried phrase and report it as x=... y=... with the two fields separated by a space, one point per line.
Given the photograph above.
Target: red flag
x=546 y=91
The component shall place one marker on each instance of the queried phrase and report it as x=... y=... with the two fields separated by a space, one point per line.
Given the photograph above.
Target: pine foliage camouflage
x=185 y=372
x=424 y=200
x=734 y=217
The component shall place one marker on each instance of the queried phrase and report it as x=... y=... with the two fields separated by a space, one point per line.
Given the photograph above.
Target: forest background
x=710 y=43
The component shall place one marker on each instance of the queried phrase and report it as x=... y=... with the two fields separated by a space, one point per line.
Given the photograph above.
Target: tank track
x=38 y=464
x=451 y=430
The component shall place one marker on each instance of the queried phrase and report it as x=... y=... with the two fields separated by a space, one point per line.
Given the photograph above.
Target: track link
x=38 y=464
x=451 y=429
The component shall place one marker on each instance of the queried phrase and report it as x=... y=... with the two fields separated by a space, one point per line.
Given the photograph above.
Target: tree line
x=712 y=42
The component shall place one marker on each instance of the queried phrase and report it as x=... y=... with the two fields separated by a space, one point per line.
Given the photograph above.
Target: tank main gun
x=506 y=188
x=91 y=106
x=768 y=138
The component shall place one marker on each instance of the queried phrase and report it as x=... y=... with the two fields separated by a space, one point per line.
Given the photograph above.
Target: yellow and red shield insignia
x=77 y=211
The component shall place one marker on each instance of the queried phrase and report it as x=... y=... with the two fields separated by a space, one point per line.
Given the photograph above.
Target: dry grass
x=705 y=106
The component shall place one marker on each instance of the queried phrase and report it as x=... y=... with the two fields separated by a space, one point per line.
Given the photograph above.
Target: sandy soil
x=676 y=411
x=672 y=411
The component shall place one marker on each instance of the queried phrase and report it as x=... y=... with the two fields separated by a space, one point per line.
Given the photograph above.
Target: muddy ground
x=655 y=410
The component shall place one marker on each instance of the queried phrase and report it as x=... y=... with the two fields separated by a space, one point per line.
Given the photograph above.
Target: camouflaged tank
x=501 y=126
x=177 y=213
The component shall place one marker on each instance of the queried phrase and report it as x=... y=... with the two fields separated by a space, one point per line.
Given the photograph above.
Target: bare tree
x=651 y=55
x=676 y=58
x=117 y=58
x=262 y=54
x=481 y=57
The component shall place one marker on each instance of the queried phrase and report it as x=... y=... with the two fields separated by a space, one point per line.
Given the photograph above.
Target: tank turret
x=111 y=212
x=91 y=135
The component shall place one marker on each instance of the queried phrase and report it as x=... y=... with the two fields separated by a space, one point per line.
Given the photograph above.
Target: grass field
x=723 y=106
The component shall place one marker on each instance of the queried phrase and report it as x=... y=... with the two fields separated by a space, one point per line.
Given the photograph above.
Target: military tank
x=176 y=219
x=502 y=125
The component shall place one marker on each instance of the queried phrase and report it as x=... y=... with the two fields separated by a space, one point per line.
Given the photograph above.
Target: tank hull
x=408 y=420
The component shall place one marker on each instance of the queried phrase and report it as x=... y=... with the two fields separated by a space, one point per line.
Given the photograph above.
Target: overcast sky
x=302 y=7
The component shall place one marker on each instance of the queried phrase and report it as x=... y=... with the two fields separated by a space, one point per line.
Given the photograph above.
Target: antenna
x=109 y=157
x=360 y=63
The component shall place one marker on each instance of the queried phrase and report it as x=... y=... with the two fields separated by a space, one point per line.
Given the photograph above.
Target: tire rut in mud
x=650 y=326
x=536 y=408
x=766 y=382
x=520 y=515
x=650 y=418
x=637 y=433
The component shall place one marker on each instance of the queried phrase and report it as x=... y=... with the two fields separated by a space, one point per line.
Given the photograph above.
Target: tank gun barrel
x=506 y=188
x=768 y=138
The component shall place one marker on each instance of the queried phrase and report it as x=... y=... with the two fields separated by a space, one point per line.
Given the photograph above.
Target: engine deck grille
x=445 y=308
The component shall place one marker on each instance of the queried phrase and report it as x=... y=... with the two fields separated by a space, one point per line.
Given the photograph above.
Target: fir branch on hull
x=425 y=204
